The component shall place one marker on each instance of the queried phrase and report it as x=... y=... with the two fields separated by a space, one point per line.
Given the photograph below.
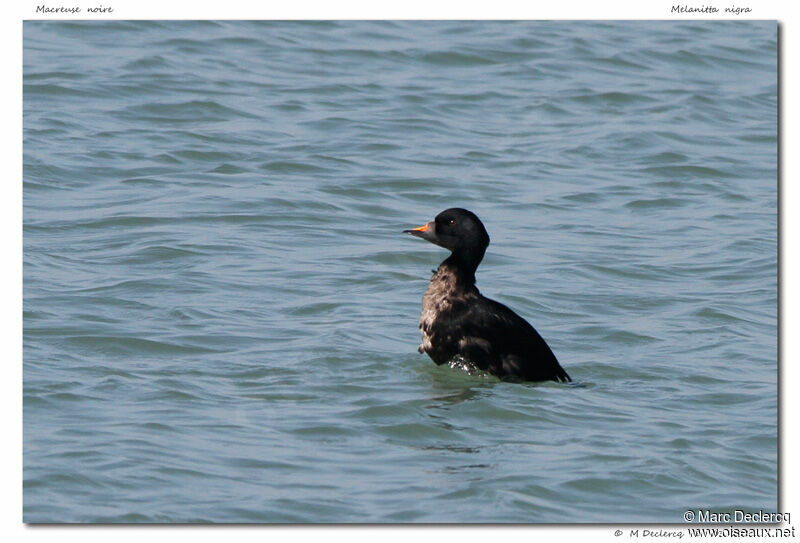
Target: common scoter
x=457 y=320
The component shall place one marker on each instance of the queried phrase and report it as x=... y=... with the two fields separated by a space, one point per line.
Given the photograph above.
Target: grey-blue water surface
x=220 y=310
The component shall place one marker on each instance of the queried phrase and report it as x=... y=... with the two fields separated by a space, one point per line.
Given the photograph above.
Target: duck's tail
x=561 y=376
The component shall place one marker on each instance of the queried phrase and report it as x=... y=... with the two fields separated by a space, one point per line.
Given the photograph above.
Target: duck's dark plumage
x=458 y=320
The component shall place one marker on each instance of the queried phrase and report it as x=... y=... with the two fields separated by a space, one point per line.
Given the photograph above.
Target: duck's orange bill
x=423 y=228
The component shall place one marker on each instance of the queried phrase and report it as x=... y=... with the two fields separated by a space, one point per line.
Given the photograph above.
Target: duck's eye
x=451 y=222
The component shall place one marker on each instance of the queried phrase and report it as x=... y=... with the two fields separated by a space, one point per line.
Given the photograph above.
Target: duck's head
x=456 y=229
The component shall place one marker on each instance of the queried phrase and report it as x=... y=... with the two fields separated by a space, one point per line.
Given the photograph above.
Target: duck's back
x=486 y=332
